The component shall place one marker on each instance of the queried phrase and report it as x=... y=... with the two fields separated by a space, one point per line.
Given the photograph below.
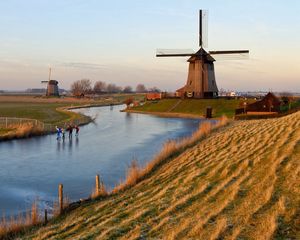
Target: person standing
x=63 y=133
x=70 y=129
x=77 y=130
x=57 y=132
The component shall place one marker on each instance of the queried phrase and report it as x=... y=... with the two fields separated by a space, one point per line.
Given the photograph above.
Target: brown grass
x=14 y=225
x=171 y=148
x=101 y=192
x=56 y=207
x=239 y=182
x=22 y=131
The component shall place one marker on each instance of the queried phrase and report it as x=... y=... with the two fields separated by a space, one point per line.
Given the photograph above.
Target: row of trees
x=84 y=86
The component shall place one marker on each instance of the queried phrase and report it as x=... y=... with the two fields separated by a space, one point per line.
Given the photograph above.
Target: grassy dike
x=239 y=182
x=190 y=107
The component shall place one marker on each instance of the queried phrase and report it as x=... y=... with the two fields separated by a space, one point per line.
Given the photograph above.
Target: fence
x=7 y=122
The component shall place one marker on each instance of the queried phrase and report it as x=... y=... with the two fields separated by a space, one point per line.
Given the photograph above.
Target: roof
x=201 y=53
x=180 y=89
x=53 y=82
x=271 y=96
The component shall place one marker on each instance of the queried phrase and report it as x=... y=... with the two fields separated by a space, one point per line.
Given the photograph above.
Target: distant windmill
x=52 y=86
x=201 y=82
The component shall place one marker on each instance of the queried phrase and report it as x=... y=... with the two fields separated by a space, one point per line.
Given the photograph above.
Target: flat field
x=48 y=110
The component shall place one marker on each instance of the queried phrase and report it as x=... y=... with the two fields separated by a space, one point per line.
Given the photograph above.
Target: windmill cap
x=53 y=82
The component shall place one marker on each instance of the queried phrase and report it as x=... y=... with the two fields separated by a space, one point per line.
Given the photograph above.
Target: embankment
x=240 y=182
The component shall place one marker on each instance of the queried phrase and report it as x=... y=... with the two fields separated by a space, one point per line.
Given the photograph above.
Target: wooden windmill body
x=52 y=86
x=201 y=81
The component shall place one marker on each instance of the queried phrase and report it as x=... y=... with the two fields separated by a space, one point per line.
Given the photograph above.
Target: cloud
x=83 y=65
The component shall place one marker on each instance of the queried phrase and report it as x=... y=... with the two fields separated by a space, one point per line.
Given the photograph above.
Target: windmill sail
x=174 y=52
x=203 y=28
x=230 y=54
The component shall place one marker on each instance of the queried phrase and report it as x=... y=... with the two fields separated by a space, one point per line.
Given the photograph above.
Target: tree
x=99 y=87
x=140 y=88
x=113 y=88
x=80 y=87
x=154 y=89
x=127 y=89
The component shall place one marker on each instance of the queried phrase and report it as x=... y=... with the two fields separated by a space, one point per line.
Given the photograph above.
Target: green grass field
x=193 y=106
x=45 y=112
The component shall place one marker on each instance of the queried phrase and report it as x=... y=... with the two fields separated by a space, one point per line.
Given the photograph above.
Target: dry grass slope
x=21 y=131
x=241 y=182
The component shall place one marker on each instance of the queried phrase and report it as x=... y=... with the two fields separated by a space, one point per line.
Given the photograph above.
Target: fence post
x=6 y=121
x=60 y=198
x=97 y=185
x=46 y=216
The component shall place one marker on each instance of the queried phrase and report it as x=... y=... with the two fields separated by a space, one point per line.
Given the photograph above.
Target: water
x=33 y=168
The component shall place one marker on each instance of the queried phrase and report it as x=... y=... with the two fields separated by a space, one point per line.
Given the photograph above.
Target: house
x=269 y=104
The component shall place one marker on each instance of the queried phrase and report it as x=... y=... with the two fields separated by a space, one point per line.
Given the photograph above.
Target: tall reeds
x=171 y=148
x=16 y=224
x=21 y=131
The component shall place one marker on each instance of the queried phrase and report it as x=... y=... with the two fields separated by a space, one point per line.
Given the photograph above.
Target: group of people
x=61 y=132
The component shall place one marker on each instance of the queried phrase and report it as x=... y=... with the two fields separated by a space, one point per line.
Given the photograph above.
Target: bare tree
x=99 y=87
x=80 y=87
x=127 y=89
x=113 y=88
x=154 y=89
x=140 y=88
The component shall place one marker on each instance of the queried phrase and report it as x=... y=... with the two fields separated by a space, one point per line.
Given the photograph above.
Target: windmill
x=52 y=86
x=201 y=82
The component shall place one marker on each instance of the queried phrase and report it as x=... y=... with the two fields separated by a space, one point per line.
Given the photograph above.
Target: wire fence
x=13 y=122
x=7 y=122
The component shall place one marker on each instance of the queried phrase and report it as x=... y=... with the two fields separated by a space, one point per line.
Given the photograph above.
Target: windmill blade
x=174 y=52
x=230 y=55
x=203 y=28
x=44 y=81
x=229 y=52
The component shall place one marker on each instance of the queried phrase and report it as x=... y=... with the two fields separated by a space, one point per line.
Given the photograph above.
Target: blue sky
x=115 y=41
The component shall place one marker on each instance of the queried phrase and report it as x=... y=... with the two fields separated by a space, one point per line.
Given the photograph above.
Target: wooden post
x=46 y=216
x=60 y=198
x=6 y=120
x=97 y=185
x=209 y=112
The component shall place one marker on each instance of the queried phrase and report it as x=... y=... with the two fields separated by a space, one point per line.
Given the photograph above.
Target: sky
x=116 y=41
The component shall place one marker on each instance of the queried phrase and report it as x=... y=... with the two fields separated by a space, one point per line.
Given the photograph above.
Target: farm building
x=154 y=96
x=269 y=104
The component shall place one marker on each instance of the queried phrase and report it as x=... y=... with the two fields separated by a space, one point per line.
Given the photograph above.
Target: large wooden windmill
x=201 y=82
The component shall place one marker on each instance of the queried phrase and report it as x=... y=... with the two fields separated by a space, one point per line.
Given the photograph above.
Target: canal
x=32 y=168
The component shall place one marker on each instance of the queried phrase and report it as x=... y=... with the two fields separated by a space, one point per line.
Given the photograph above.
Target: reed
x=171 y=148
x=21 y=131
x=15 y=224
x=101 y=192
